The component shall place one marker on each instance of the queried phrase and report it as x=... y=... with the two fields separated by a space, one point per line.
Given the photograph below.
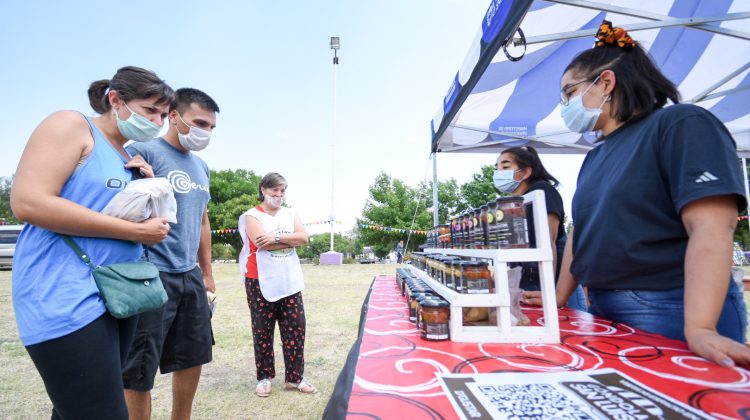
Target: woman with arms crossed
x=274 y=283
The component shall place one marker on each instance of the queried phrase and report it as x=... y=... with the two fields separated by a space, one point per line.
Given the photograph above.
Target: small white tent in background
x=497 y=100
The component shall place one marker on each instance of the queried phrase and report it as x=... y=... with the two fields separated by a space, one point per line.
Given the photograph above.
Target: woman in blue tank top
x=71 y=167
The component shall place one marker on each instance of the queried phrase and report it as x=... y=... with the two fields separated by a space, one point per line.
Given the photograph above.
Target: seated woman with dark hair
x=519 y=171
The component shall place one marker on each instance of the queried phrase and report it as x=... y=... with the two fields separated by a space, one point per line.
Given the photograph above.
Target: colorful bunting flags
x=392 y=229
x=234 y=230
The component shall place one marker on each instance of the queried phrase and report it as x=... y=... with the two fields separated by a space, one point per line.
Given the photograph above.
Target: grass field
x=333 y=298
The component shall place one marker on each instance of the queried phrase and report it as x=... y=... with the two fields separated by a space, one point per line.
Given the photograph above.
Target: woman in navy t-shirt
x=656 y=203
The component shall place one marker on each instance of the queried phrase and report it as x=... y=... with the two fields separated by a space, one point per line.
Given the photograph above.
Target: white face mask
x=195 y=139
x=273 y=202
x=504 y=180
x=577 y=117
x=136 y=127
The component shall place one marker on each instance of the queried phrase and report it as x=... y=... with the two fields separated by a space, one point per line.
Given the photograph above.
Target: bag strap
x=81 y=254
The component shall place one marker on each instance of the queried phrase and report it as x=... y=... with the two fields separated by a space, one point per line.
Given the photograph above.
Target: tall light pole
x=335 y=45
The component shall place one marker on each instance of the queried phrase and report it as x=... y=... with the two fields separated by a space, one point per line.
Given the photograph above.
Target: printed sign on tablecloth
x=594 y=394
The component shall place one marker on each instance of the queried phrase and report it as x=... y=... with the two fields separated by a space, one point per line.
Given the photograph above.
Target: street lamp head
x=335 y=43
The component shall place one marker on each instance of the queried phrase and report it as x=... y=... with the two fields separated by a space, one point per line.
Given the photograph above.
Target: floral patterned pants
x=290 y=314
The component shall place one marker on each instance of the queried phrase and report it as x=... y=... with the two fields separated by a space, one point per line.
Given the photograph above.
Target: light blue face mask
x=136 y=127
x=504 y=180
x=577 y=117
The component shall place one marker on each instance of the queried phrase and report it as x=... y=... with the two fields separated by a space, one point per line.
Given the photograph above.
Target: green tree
x=6 y=214
x=480 y=189
x=394 y=205
x=232 y=193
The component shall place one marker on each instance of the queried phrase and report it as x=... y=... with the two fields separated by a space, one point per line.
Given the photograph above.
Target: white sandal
x=301 y=387
x=263 y=389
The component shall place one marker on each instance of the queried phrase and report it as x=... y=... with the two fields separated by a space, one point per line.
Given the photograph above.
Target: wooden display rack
x=504 y=332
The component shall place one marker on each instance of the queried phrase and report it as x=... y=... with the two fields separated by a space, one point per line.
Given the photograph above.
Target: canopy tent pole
x=434 y=190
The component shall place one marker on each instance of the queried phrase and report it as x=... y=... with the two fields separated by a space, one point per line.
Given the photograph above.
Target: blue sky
x=269 y=67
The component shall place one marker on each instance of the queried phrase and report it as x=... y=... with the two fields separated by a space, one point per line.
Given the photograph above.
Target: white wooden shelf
x=504 y=332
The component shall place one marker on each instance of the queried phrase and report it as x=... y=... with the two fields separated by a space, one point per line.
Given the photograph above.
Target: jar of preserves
x=511 y=223
x=434 y=315
x=454 y=236
x=492 y=224
x=458 y=270
x=440 y=269
x=413 y=302
x=484 y=223
x=477 y=278
x=468 y=229
x=444 y=236
x=459 y=231
x=450 y=277
x=478 y=240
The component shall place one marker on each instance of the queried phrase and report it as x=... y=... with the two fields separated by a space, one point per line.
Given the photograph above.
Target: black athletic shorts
x=175 y=337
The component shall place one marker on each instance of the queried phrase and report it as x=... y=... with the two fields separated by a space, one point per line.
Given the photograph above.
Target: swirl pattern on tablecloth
x=396 y=372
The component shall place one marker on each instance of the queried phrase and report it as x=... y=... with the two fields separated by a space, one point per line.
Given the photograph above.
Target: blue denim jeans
x=663 y=311
x=578 y=300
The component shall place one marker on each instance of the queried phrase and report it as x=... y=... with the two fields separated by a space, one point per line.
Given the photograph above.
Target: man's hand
x=139 y=165
x=208 y=281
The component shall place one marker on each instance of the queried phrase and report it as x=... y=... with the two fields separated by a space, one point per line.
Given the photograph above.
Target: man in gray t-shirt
x=177 y=338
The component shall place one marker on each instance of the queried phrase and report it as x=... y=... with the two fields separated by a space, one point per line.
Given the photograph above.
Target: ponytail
x=97 y=96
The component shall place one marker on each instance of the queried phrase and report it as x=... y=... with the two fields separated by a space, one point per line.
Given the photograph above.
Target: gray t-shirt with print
x=189 y=176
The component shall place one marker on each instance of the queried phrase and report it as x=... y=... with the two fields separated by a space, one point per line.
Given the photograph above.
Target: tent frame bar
x=706 y=94
x=724 y=93
x=648 y=15
x=513 y=137
x=666 y=23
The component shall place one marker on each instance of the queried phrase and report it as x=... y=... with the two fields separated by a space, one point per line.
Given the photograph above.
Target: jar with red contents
x=477 y=278
x=434 y=315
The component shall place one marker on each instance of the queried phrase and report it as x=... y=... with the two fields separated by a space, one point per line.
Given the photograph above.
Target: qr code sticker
x=532 y=401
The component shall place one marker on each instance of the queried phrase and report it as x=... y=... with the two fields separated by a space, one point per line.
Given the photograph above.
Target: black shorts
x=175 y=337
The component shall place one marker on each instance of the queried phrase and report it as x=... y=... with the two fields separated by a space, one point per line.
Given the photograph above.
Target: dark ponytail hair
x=130 y=83
x=527 y=157
x=641 y=87
x=270 y=180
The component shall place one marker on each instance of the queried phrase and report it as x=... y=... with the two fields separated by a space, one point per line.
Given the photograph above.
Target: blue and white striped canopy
x=703 y=46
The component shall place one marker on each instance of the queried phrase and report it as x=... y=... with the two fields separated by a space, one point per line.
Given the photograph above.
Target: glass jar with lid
x=459 y=232
x=511 y=223
x=454 y=232
x=468 y=229
x=484 y=243
x=450 y=274
x=492 y=224
x=476 y=278
x=444 y=236
x=434 y=315
x=413 y=302
x=477 y=239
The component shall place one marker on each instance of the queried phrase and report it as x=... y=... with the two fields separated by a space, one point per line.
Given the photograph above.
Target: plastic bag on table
x=517 y=317
x=143 y=199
